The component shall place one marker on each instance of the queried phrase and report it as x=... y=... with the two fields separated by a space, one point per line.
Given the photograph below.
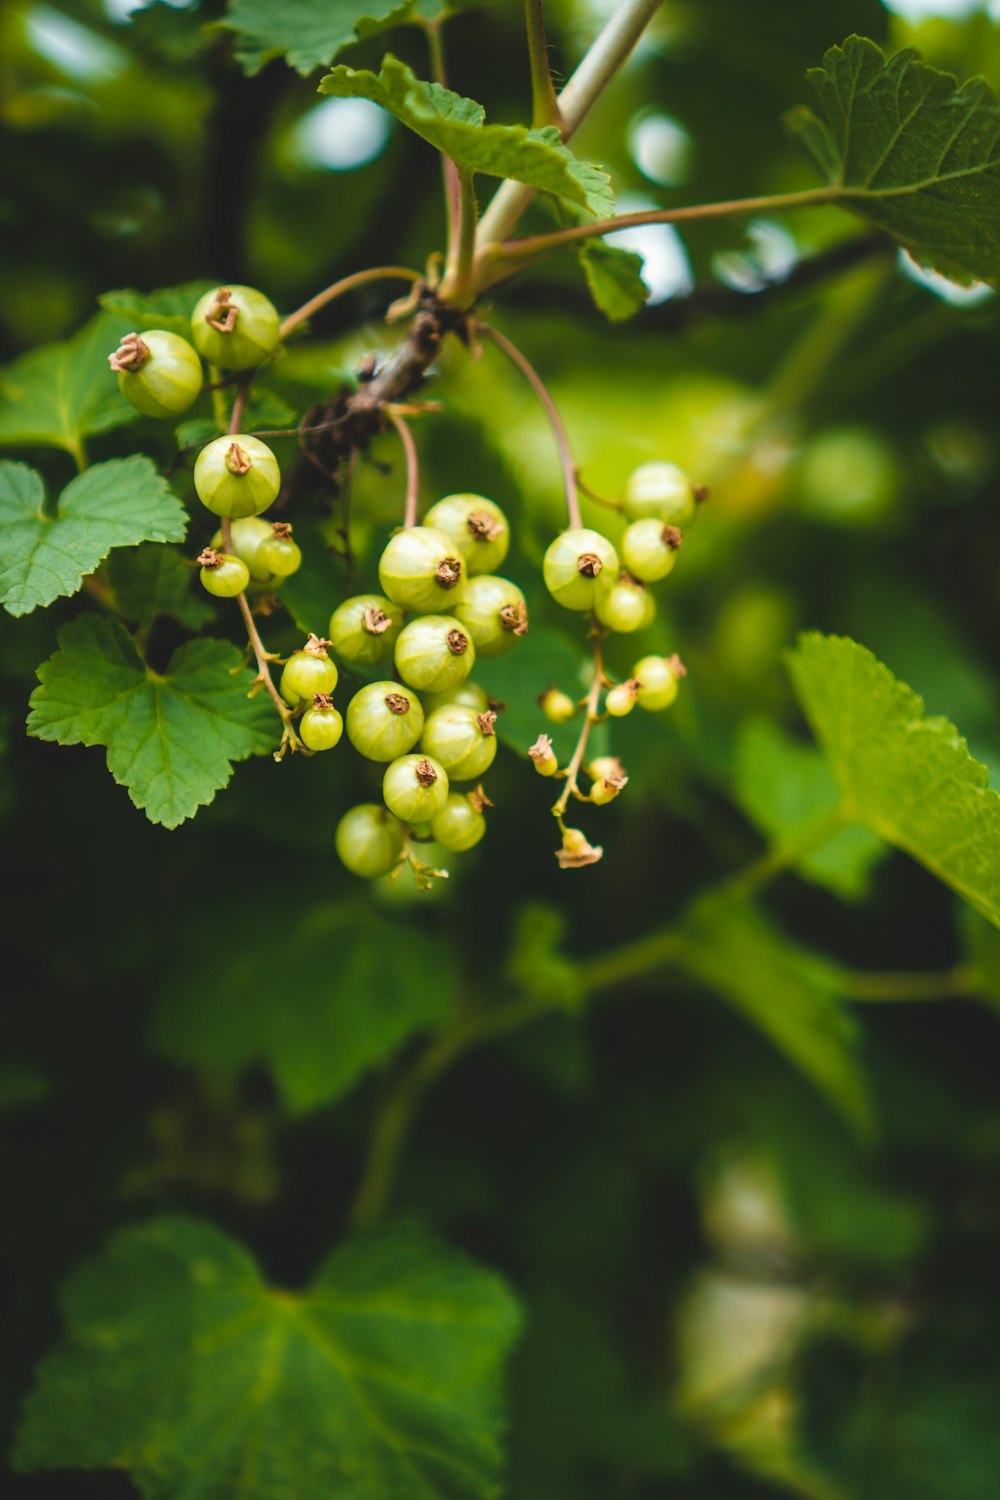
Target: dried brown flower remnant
x=577 y=851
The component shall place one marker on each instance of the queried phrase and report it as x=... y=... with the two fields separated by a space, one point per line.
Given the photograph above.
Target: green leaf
x=785 y=788
x=908 y=778
x=615 y=279
x=154 y=580
x=309 y=33
x=61 y=393
x=790 y=993
x=170 y=739
x=456 y=127
x=169 y=307
x=540 y=660
x=912 y=153
x=181 y=1366
x=117 y=504
x=313 y=591
x=369 y=983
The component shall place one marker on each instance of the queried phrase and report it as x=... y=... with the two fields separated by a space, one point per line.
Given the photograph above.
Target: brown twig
x=338 y=288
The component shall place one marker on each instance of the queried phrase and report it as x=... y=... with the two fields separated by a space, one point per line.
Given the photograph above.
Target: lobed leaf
x=61 y=393
x=153 y=580
x=614 y=277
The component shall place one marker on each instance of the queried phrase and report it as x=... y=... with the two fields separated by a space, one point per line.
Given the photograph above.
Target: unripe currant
x=222 y=574
x=321 y=726
x=460 y=823
x=278 y=555
x=604 y=766
x=364 y=629
x=463 y=741
x=158 y=372
x=658 y=678
x=466 y=695
x=235 y=327
x=308 y=672
x=626 y=606
x=414 y=788
x=476 y=526
x=494 y=613
x=543 y=757
x=419 y=570
x=384 y=720
x=248 y=534
x=579 y=567
x=663 y=491
x=369 y=841
x=557 y=706
x=650 y=548
x=606 y=788
x=434 y=653
x=622 y=698
x=236 y=476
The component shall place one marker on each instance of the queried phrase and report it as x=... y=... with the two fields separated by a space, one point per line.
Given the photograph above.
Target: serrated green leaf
x=456 y=127
x=117 y=504
x=908 y=778
x=785 y=788
x=61 y=393
x=309 y=33
x=792 y=994
x=153 y=580
x=912 y=153
x=372 y=983
x=614 y=277
x=181 y=1366
x=171 y=739
x=170 y=307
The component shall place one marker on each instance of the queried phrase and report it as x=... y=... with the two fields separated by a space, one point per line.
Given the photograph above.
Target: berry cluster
x=441 y=607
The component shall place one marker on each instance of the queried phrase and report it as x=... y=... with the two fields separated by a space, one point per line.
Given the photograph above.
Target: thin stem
x=596 y=70
x=589 y=719
x=457 y=286
x=449 y=171
x=412 y=467
x=239 y=406
x=541 y=391
x=346 y=284
x=774 y=862
x=544 y=105
x=889 y=985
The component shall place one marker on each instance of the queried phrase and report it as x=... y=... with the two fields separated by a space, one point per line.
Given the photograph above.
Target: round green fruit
x=384 y=720
x=434 y=653
x=278 y=555
x=579 y=567
x=460 y=823
x=307 y=673
x=462 y=740
x=235 y=327
x=494 y=613
x=650 y=548
x=414 y=788
x=626 y=607
x=364 y=629
x=369 y=841
x=236 y=476
x=658 y=678
x=420 y=570
x=158 y=372
x=222 y=574
x=476 y=526
x=321 y=726
x=466 y=695
x=661 y=490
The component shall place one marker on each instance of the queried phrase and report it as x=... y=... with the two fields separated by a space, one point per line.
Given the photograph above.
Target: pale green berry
x=494 y=613
x=222 y=574
x=658 y=678
x=625 y=607
x=248 y=534
x=158 y=372
x=278 y=554
x=663 y=491
x=384 y=720
x=369 y=840
x=434 y=653
x=557 y=706
x=466 y=695
x=236 y=476
x=463 y=741
x=235 y=327
x=649 y=549
x=477 y=527
x=622 y=698
x=579 y=567
x=364 y=629
x=308 y=672
x=420 y=570
x=414 y=788
x=543 y=757
x=460 y=823
x=321 y=726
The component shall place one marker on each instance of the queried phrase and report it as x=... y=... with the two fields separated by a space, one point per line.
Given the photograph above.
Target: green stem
x=449 y=171
x=776 y=861
x=457 y=286
x=901 y=985
x=544 y=105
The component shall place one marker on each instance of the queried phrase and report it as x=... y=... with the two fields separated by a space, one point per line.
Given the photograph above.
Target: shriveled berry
x=236 y=476
x=369 y=840
x=434 y=653
x=477 y=527
x=364 y=629
x=579 y=567
x=384 y=720
x=158 y=372
x=494 y=613
x=236 y=327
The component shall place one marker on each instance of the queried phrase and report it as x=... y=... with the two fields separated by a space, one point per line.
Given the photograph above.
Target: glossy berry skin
x=236 y=476
x=466 y=695
x=369 y=841
x=228 y=579
x=364 y=629
x=478 y=528
x=421 y=570
x=650 y=549
x=658 y=682
x=384 y=720
x=244 y=330
x=169 y=378
x=459 y=825
x=247 y=535
x=557 y=706
x=660 y=490
x=621 y=699
x=414 y=788
x=579 y=567
x=626 y=607
x=462 y=740
x=305 y=674
x=321 y=727
x=434 y=653
x=279 y=556
x=494 y=613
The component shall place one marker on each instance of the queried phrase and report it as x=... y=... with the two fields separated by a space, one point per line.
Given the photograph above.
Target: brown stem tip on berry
x=576 y=851
x=458 y=642
x=316 y=645
x=238 y=461
x=208 y=557
x=131 y=354
x=426 y=773
x=484 y=527
x=677 y=666
x=449 y=572
x=221 y=314
x=589 y=565
x=486 y=721
x=672 y=537
x=375 y=621
x=700 y=492
x=283 y=529
x=397 y=703
x=479 y=799
x=514 y=617
x=322 y=700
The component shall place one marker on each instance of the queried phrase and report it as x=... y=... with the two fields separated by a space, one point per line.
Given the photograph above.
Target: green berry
x=658 y=678
x=626 y=607
x=236 y=476
x=660 y=490
x=543 y=757
x=622 y=698
x=248 y=534
x=222 y=574
x=363 y=630
x=414 y=788
x=308 y=672
x=649 y=549
x=321 y=726
x=462 y=740
x=158 y=372
x=235 y=327
x=434 y=653
x=494 y=613
x=384 y=720
x=579 y=567
x=467 y=695
x=278 y=554
x=460 y=823
x=369 y=841
x=476 y=526
x=557 y=706
x=419 y=570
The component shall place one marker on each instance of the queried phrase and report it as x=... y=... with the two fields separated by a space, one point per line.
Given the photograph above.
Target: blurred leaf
x=784 y=786
x=912 y=153
x=308 y=32
x=170 y=307
x=540 y=660
x=367 y=984
x=117 y=504
x=615 y=279
x=21 y=1086
x=171 y=739
x=178 y=34
x=153 y=580
x=456 y=127
x=313 y=592
x=536 y=964
x=181 y=1366
x=981 y=954
x=906 y=777
x=60 y=394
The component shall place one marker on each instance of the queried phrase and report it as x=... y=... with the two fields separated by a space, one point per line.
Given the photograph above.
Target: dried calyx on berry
x=577 y=851
x=158 y=372
x=543 y=756
x=236 y=327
